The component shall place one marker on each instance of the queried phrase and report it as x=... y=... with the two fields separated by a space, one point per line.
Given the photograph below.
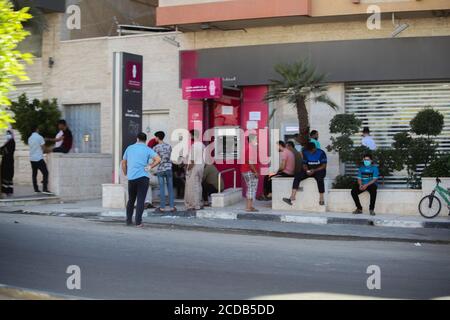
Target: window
x=387 y=109
x=84 y=122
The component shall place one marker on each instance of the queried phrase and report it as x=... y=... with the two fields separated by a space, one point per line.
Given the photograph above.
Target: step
x=27 y=201
x=226 y=198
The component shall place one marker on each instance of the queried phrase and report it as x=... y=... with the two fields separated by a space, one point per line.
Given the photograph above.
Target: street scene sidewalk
x=267 y=221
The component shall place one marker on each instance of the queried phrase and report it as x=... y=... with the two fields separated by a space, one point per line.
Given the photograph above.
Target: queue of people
x=192 y=179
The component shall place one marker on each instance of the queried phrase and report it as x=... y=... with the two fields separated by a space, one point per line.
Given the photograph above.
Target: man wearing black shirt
x=64 y=138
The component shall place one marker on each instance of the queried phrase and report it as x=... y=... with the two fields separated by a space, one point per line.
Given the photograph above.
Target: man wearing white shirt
x=367 y=140
x=194 y=173
x=36 y=143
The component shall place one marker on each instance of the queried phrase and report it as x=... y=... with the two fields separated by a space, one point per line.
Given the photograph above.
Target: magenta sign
x=204 y=88
x=133 y=75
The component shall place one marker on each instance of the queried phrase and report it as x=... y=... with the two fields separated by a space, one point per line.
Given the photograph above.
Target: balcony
x=230 y=11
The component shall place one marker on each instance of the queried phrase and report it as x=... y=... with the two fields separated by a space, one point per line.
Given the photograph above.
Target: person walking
x=37 y=143
x=137 y=160
x=250 y=172
x=7 y=167
x=314 y=166
x=367 y=181
x=194 y=173
x=164 y=173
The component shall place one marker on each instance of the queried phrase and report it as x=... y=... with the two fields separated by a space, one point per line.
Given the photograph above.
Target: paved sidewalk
x=93 y=208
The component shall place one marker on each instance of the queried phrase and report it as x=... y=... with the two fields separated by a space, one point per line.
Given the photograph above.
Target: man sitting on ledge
x=367 y=181
x=314 y=166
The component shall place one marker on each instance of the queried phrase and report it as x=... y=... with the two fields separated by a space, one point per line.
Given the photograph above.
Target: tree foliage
x=299 y=83
x=44 y=114
x=11 y=66
x=428 y=122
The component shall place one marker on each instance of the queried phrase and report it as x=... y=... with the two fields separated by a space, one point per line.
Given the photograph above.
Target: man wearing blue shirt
x=138 y=159
x=367 y=181
x=314 y=166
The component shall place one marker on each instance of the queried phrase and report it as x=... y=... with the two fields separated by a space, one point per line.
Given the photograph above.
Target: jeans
x=268 y=181
x=137 y=189
x=165 y=178
x=372 y=189
x=41 y=166
x=319 y=176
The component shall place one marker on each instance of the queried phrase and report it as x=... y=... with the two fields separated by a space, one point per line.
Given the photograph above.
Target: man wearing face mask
x=367 y=181
x=7 y=167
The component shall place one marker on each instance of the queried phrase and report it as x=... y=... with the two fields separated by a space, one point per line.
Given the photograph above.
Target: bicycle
x=430 y=205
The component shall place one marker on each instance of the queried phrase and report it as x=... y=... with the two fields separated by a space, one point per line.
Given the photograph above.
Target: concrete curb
x=289 y=218
x=239 y=215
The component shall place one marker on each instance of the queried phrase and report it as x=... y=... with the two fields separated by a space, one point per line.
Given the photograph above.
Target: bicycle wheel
x=429 y=206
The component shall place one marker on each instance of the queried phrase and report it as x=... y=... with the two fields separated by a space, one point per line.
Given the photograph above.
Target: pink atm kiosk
x=223 y=112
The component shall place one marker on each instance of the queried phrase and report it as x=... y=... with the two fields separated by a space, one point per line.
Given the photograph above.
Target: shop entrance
x=222 y=114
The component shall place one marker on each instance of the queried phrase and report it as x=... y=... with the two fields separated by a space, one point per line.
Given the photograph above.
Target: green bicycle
x=430 y=205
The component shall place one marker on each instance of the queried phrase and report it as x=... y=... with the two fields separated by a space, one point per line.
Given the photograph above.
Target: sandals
x=252 y=210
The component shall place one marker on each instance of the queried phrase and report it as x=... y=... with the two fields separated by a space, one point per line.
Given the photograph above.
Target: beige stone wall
x=312 y=32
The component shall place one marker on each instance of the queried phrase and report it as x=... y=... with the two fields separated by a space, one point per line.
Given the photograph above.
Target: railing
x=220 y=178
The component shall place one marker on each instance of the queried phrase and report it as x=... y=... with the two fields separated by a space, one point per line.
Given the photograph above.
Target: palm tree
x=299 y=83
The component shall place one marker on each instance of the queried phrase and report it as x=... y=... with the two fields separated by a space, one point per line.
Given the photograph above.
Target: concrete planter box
x=78 y=176
x=114 y=196
x=389 y=201
x=307 y=198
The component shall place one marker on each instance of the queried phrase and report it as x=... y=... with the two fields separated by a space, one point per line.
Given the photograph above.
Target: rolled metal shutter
x=387 y=109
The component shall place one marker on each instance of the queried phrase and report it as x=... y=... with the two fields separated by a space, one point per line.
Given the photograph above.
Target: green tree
x=428 y=122
x=11 y=66
x=299 y=83
x=45 y=114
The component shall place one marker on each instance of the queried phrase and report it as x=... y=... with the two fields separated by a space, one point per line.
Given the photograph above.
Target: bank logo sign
x=133 y=75
x=202 y=88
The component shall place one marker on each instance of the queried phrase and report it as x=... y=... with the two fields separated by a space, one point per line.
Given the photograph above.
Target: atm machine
x=216 y=110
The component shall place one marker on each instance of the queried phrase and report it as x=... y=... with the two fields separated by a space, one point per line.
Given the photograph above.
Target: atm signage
x=203 y=88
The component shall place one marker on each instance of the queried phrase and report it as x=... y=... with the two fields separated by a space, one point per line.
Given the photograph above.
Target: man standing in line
x=194 y=173
x=250 y=171
x=164 y=172
x=64 y=139
x=136 y=160
x=367 y=140
x=37 y=143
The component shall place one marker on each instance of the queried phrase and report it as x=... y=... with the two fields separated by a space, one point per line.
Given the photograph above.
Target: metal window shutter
x=387 y=109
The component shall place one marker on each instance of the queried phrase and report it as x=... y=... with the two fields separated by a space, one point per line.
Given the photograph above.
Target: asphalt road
x=119 y=262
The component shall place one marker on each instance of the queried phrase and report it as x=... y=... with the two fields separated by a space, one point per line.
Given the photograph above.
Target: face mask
x=367 y=163
x=8 y=137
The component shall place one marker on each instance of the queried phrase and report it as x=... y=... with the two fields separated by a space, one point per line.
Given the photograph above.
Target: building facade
x=383 y=79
